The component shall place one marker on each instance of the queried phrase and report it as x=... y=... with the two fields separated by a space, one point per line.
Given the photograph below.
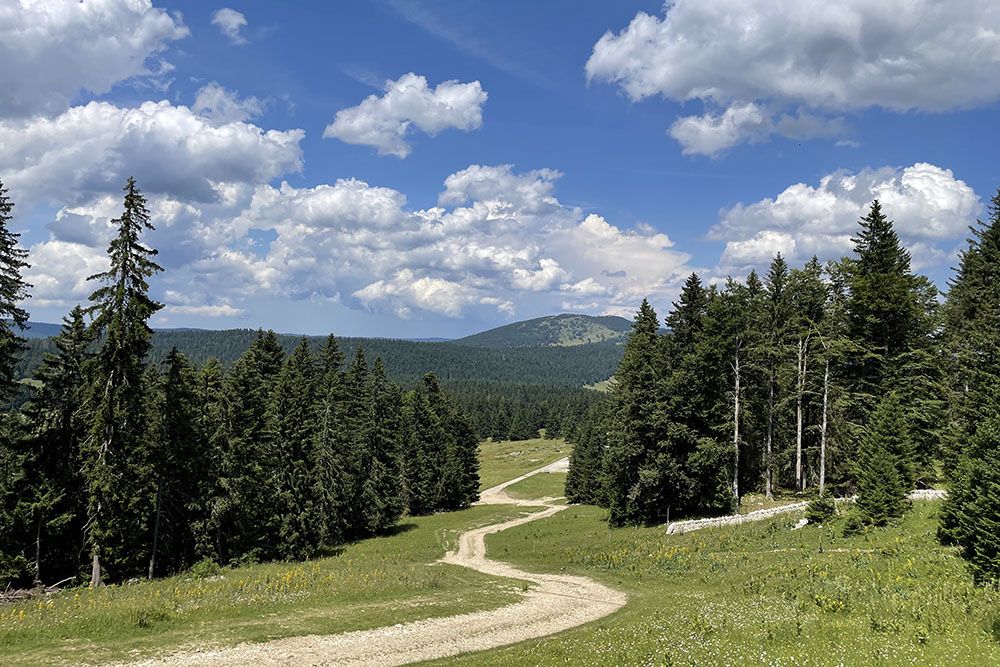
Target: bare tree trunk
x=822 y=430
x=95 y=570
x=38 y=553
x=768 y=471
x=156 y=531
x=800 y=481
x=736 y=432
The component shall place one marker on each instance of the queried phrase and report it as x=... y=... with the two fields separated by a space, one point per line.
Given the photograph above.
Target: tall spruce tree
x=330 y=482
x=180 y=468
x=291 y=430
x=772 y=354
x=57 y=430
x=585 y=480
x=971 y=516
x=13 y=290
x=633 y=479
x=114 y=465
x=385 y=449
x=242 y=508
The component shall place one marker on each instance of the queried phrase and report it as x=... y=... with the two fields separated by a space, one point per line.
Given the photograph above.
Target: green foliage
x=205 y=568
x=116 y=464
x=13 y=291
x=885 y=465
x=972 y=513
x=565 y=330
x=821 y=509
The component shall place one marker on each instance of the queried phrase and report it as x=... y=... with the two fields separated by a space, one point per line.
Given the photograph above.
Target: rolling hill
x=559 y=351
x=553 y=331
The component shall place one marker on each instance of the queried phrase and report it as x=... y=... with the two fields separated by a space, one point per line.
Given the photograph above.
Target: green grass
x=372 y=583
x=502 y=461
x=752 y=502
x=759 y=594
x=542 y=485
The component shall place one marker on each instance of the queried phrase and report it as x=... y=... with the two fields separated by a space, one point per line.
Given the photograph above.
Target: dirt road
x=553 y=603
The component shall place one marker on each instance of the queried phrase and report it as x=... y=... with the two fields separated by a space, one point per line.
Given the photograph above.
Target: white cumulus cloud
x=930 y=207
x=383 y=122
x=782 y=54
x=52 y=51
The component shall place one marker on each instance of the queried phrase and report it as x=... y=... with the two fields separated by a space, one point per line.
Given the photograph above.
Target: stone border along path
x=554 y=603
x=677 y=527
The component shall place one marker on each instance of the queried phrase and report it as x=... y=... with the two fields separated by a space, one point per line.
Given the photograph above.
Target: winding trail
x=554 y=603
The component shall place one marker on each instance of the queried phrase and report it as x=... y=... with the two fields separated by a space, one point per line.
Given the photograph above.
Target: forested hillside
x=845 y=378
x=120 y=465
x=565 y=330
x=507 y=392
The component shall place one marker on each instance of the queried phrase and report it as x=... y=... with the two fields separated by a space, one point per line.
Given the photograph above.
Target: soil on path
x=551 y=604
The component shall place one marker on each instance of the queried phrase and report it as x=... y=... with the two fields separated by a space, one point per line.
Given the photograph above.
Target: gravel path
x=677 y=527
x=554 y=603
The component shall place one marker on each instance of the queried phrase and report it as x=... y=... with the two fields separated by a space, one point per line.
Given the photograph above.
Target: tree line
x=846 y=377
x=119 y=467
x=508 y=393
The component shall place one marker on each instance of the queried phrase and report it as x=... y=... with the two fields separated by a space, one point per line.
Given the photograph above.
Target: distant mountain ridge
x=566 y=330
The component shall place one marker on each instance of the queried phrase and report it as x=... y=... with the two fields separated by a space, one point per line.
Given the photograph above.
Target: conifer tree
x=883 y=464
x=807 y=300
x=180 y=467
x=114 y=464
x=330 y=484
x=246 y=461
x=584 y=481
x=631 y=475
x=972 y=512
x=13 y=290
x=210 y=427
x=354 y=441
x=291 y=430
x=385 y=448
x=972 y=330
x=57 y=430
x=773 y=343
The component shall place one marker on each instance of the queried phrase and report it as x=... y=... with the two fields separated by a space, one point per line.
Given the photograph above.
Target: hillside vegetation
x=759 y=594
x=554 y=331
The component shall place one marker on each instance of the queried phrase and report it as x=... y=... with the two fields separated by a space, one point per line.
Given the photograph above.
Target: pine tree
x=632 y=478
x=242 y=508
x=180 y=466
x=778 y=310
x=13 y=290
x=808 y=298
x=425 y=447
x=584 y=481
x=385 y=446
x=292 y=430
x=972 y=511
x=330 y=484
x=114 y=466
x=883 y=464
x=972 y=332
x=211 y=433
x=56 y=433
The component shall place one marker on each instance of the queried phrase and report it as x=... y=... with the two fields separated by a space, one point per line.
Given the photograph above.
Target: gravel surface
x=552 y=603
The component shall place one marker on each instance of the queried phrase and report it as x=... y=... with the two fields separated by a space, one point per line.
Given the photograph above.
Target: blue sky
x=564 y=168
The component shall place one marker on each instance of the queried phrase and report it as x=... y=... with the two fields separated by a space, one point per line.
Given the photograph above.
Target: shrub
x=820 y=509
x=205 y=568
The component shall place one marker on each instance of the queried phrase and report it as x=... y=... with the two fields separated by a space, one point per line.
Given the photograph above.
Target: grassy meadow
x=759 y=594
x=375 y=582
x=754 y=594
x=507 y=459
x=542 y=485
